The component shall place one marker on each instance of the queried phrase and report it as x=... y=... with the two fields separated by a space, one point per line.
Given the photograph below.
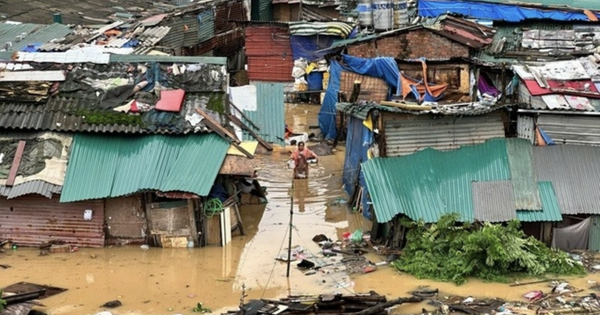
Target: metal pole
x=289 y=261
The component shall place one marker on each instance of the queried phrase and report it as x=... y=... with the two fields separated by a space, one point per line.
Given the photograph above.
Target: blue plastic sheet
x=495 y=11
x=309 y=47
x=383 y=67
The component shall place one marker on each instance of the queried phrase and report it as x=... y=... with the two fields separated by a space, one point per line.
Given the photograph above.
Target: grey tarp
x=575 y=236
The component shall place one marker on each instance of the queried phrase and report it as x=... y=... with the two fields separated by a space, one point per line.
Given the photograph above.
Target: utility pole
x=289 y=255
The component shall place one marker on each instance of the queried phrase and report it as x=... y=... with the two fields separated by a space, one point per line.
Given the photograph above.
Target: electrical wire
x=275 y=263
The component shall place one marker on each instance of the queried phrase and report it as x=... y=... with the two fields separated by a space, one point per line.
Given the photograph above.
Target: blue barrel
x=315 y=81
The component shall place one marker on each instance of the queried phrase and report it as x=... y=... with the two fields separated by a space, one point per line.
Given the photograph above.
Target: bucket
x=315 y=81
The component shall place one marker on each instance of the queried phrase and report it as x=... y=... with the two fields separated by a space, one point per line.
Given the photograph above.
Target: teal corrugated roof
x=34 y=34
x=430 y=183
x=270 y=113
x=524 y=179
x=551 y=209
x=104 y=166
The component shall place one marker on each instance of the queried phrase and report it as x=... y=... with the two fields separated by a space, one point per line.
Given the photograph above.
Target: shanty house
x=117 y=148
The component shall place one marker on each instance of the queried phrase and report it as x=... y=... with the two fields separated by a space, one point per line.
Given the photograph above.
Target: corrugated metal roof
x=524 y=179
x=229 y=43
x=575 y=174
x=571 y=129
x=406 y=136
x=103 y=167
x=494 y=201
x=430 y=183
x=362 y=109
x=39 y=187
x=270 y=113
x=169 y=59
x=551 y=208
x=21 y=35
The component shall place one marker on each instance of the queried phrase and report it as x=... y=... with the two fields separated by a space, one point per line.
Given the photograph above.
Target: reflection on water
x=171 y=281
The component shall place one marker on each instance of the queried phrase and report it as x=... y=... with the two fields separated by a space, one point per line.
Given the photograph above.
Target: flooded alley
x=172 y=281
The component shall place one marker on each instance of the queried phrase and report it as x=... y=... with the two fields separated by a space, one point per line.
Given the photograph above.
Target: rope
x=213 y=205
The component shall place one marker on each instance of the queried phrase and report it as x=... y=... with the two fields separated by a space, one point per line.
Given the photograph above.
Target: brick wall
x=412 y=44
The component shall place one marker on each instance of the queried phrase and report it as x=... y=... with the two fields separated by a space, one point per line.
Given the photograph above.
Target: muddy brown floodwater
x=172 y=281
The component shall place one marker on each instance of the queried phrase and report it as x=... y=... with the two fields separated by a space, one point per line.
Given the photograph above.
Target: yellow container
x=325 y=80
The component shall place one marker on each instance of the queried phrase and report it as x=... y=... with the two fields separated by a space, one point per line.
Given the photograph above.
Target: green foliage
x=2 y=302
x=451 y=252
x=110 y=118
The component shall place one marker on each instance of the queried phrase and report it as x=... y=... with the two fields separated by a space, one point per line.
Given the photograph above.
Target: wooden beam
x=15 y=165
x=217 y=125
x=241 y=124
x=244 y=116
x=224 y=133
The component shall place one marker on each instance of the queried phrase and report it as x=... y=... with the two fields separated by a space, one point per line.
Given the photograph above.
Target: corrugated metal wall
x=206 y=28
x=270 y=114
x=184 y=32
x=406 y=136
x=571 y=129
x=226 y=14
x=526 y=128
x=358 y=140
x=261 y=10
x=594 y=242
x=33 y=219
x=269 y=53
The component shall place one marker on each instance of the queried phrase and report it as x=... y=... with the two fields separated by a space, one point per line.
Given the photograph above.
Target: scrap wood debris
x=554 y=298
x=359 y=304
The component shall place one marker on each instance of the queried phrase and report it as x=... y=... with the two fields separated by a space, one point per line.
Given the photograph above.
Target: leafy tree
x=450 y=251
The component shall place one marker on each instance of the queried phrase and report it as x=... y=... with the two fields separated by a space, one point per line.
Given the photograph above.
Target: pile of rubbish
x=556 y=298
x=363 y=304
x=589 y=260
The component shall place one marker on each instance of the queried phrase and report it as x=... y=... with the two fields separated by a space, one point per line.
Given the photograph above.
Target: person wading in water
x=301 y=157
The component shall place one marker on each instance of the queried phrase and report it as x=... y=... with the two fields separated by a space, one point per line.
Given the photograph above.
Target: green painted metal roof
x=430 y=183
x=551 y=208
x=524 y=179
x=103 y=166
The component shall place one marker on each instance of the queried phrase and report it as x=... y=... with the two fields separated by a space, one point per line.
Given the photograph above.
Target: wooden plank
x=215 y=124
x=193 y=229
x=15 y=165
x=244 y=116
x=224 y=133
x=213 y=230
x=241 y=124
x=405 y=106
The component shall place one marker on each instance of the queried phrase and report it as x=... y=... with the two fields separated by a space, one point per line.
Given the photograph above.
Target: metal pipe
x=556 y=112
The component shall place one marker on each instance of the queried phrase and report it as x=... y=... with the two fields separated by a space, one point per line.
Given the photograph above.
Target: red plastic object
x=170 y=100
x=134 y=108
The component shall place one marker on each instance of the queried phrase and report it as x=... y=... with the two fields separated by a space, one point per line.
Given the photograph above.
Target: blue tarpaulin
x=383 y=67
x=495 y=11
x=312 y=48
